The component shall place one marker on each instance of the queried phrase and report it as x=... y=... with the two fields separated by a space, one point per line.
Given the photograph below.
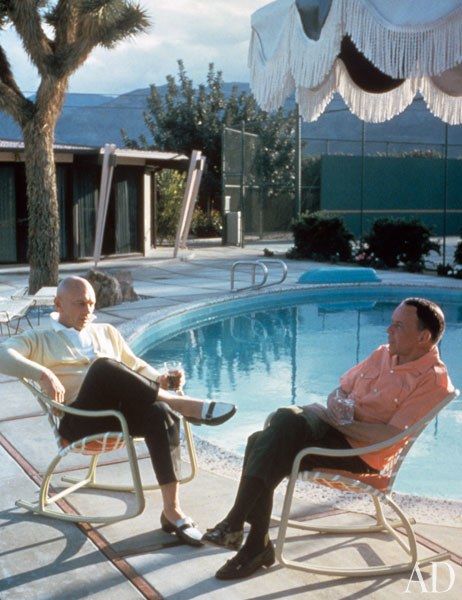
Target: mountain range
x=96 y=119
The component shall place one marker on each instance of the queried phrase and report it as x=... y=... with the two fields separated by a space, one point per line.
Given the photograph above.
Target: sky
x=197 y=31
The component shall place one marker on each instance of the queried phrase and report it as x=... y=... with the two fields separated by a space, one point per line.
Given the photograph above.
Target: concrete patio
x=48 y=559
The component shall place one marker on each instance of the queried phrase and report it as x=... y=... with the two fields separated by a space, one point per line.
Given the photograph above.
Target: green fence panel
x=393 y=187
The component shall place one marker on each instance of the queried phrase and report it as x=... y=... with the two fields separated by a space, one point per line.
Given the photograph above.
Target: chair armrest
x=20 y=294
x=65 y=408
x=406 y=433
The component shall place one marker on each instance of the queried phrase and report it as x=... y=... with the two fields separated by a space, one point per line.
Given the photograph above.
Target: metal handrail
x=262 y=265
x=254 y=264
x=276 y=261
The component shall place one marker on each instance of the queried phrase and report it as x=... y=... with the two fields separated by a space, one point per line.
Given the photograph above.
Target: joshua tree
x=58 y=37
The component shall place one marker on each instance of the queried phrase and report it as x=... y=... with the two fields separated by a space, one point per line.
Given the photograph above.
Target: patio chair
x=378 y=486
x=94 y=446
x=43 y=298
x=13 y=310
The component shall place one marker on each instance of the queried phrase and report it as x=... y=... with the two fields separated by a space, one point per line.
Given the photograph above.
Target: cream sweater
x=31 y=353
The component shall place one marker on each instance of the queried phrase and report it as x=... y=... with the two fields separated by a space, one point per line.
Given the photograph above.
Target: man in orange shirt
x=393 y=388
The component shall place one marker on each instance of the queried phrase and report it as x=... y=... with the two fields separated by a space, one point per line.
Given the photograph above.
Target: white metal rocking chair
x=378 y=486
x=94 y=446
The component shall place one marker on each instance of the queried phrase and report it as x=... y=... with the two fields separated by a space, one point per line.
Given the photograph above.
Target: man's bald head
x=72 y=285
x=75 y=302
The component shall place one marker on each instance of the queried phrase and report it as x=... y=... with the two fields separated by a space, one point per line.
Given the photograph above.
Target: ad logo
x=435 y=588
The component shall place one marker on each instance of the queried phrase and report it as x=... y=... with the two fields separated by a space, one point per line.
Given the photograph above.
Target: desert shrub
x=458 y=253
x=321 y=237
x=395 y=241
x=448 y=271
x=206 y=224
x=170 y=186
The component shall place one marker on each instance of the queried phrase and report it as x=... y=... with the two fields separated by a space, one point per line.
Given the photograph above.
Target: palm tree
x=58 y=37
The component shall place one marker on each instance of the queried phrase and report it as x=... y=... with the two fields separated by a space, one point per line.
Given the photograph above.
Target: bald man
x=91 y=366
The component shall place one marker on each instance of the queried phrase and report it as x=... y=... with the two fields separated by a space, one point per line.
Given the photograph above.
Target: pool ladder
x=261 y=264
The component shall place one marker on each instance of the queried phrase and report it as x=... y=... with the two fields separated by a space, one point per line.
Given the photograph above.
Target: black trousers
x=270 y=453
x=110 y=385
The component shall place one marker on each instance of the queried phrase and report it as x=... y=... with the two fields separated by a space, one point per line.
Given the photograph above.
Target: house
x=130 y=224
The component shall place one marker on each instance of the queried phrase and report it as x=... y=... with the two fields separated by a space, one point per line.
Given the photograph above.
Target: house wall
x=128 y=227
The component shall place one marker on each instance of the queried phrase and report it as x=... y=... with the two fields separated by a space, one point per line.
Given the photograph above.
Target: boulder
x=124 y=277
x=107 y=288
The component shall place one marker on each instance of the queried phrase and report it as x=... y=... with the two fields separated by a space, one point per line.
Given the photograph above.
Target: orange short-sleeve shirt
x=399 y=395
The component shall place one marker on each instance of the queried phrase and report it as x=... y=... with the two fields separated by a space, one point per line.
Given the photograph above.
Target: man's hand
x=52 y=386
x=333 y=412
x=162 y=380
x=165 y=380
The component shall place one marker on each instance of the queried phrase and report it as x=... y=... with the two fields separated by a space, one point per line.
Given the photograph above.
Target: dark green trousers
x=270 y=453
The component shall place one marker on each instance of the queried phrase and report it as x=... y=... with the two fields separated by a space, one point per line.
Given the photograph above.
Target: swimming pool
x=268 y=350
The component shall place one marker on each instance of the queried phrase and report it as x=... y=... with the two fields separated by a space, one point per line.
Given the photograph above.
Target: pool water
x=294 y=354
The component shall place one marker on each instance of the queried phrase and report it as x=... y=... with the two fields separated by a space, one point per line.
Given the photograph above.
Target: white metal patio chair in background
x=13 y=310
x=378 y=486
x=43 y=298
x=94 y=446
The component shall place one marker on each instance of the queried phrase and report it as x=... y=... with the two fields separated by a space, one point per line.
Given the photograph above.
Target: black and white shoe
x=214 y=413
x=185 y=529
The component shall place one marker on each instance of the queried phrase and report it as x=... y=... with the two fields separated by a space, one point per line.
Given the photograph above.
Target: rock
x=125 y=279
x=107 y=288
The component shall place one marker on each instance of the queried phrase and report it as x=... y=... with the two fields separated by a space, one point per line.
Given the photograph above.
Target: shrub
x=320 y=236
x=206 y=224
x=449 y=271
x=170 y=185
x=395 y=241
x=458 y=253
x=444 y=270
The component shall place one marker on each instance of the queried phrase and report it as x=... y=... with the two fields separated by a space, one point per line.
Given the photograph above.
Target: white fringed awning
x=377 y=54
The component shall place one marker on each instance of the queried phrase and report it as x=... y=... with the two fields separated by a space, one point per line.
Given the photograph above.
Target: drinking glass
x=345 y=409
x=175 y=372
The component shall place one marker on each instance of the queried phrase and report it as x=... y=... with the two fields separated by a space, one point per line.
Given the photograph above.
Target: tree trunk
x=42 y=202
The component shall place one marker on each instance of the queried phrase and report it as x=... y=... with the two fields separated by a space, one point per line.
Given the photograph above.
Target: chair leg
x=42 y=507
x=17 y=326
x=94 y=484
x=382 y=524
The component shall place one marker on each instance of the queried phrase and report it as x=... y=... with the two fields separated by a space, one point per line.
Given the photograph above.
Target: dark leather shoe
x=245 y=564
x=214 y=413
x=221 y=535
x=185 y=529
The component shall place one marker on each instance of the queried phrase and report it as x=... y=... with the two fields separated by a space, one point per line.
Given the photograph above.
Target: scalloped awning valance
x=377 y=54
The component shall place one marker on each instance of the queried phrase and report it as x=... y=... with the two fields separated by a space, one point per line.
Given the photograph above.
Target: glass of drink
x=345 y=409
x=175 y=372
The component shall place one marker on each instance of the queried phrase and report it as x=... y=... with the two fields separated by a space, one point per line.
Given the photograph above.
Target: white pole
x=187 y=198
x=107 y=170
x=200 y=166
